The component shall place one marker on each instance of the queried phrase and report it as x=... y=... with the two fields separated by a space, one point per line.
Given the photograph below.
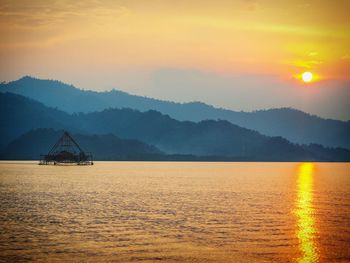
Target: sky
x=237 y=54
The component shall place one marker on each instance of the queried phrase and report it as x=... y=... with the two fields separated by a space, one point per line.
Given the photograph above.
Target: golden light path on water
x=305 y=214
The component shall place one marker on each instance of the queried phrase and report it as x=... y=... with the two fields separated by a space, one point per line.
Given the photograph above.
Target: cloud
x=312 y=54
x=31 y=14
x=306 y=63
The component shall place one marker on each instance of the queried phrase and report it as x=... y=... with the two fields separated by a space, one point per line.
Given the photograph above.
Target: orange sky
x=128 y=44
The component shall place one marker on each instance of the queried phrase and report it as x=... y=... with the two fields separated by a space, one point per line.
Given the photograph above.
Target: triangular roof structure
x=66 y=144
x=66 y=150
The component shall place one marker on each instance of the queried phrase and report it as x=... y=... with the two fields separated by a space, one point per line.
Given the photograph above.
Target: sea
x=175 y=212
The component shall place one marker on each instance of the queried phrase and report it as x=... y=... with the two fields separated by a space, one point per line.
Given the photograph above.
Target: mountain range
x=123 y=132
x=293 y=125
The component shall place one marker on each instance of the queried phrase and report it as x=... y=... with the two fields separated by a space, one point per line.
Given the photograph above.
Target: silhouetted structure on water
x=66 y=151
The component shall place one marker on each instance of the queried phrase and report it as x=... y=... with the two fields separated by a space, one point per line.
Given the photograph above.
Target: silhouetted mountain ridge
x=294 y=125
x=20 y=114
x=205 y=138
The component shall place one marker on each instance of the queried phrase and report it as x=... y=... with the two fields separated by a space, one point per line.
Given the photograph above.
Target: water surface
x=190 y=212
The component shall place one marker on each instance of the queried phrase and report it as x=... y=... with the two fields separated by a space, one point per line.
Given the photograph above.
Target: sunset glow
x=219 y=52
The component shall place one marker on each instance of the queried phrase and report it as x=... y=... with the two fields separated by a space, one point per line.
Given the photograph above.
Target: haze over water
x=159 y=211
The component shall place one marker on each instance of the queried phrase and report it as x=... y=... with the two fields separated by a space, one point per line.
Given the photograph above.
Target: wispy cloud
x=31 y=14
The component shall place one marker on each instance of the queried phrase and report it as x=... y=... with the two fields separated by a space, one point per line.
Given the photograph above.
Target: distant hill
x=19 y=115
x=206 y=138
x=30 y=145
x=219 y=138
x=294 y=125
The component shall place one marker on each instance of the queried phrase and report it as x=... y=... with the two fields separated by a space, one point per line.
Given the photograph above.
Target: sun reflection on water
x=305 y=214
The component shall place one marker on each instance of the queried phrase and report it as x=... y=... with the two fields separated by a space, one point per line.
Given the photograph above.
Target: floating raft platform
x=66 y=151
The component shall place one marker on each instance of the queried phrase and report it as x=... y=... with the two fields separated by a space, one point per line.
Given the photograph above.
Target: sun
x=307 y=76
